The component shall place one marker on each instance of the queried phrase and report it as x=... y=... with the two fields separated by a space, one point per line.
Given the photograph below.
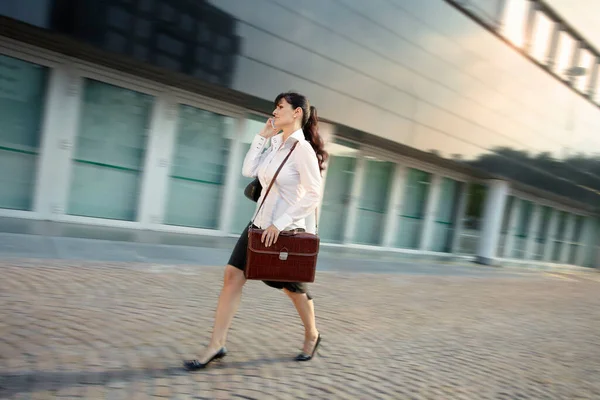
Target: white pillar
x=357 y=184
x=394 y=205
x=533 y=232
x=553 y=46
x=493 y=211
x=568 y=238
x=460 y=217
x=232 y=176
x=513 y=221
x=575 y=62
x=530 y=25
x=58 y=142
x=593 y=78
x=431 y=209
x=552 y=230
x=157 y=164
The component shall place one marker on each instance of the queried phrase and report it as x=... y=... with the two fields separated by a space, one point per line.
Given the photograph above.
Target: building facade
x=444 y=138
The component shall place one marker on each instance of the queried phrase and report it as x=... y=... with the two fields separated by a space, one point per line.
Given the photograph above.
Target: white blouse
x=297 y=190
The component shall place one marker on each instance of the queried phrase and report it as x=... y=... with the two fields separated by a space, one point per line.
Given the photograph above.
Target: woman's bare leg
x=229 y=300
x=306 y=311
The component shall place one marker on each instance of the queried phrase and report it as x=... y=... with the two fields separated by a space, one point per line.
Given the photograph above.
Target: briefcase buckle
x=283 y=256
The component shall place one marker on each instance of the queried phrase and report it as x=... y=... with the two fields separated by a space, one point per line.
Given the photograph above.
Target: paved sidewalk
x=84 y=330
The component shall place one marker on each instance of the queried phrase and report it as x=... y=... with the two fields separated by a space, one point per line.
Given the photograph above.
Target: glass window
x=592 y=252
x=22 y=96
x=576 y=240
x=197 y=175
x=372 y=205
x=341 y=170
x=109 y=151
x=34 y=12
x=522 y=229
x=542 y=232
x=560 y=235
x=471 y=229
x=410 y=221
x=445 y=217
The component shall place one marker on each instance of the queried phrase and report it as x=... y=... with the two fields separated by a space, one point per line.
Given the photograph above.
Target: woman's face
x=285 y=115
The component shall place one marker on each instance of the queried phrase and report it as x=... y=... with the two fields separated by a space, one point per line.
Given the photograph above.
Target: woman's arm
x=254 y=157
x=310 y=179
x=255 y=153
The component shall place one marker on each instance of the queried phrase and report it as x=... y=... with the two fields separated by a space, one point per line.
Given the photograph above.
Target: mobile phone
x=273 y=123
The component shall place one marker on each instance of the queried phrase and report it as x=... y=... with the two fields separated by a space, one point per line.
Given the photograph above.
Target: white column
x=232 y=176
x=553 y=46
x=58 y=142
x=530 y=25
x=513 y=221
x=568 y=238
x=357 y=184
x=431 y=209
x=575 y=62
x=532 y=232
x=552 y=230
x=394 y=205
x=459 y=218
x=157 y=164
x=493 y=211
x=593 y=78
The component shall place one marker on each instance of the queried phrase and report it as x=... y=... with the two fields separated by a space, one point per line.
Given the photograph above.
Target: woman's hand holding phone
x=269 y=130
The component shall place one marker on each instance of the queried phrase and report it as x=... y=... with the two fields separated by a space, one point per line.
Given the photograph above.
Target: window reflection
x=197 y=175
x=543 y=233
x=410 y=221
x=109 y=151
x=341 y=169
x=471 y=229
x=373 y=201
x=445 y=219
x=22 y=92
x=522 y=230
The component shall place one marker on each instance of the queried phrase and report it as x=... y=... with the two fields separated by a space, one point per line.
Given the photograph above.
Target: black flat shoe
x=305 y=357
x=194 y=365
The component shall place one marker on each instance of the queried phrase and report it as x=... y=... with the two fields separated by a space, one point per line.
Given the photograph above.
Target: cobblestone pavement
x=120 y=331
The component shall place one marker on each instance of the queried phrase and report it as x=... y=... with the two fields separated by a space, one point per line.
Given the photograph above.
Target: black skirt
x=238 y=260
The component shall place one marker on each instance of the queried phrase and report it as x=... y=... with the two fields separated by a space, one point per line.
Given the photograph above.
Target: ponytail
x=311 y=134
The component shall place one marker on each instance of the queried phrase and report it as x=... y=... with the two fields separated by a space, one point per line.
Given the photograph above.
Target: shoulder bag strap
x=273 y=181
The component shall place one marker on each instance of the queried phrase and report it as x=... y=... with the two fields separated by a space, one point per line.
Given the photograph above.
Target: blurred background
x=467 y=128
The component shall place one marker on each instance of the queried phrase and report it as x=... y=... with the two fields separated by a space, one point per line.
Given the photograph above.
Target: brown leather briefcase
x=292 y=259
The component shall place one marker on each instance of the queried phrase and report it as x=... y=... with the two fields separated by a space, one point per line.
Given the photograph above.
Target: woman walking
x=294 y=196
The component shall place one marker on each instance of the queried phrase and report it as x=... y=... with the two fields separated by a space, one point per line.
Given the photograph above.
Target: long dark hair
x=310 y=124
